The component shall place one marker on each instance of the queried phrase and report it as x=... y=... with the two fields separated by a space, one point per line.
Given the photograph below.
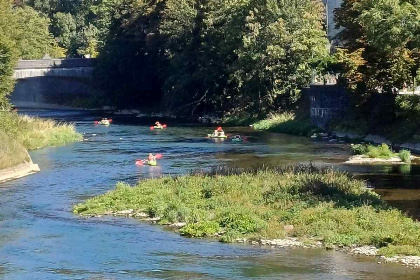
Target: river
x=40 y=237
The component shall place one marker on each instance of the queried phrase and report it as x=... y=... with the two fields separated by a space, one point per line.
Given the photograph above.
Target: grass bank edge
x=322 y=205
x=34 y=133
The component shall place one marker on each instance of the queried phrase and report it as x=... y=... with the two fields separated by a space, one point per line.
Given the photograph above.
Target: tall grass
x=33 y=132
x=320 y=204
x=12 y=153
x=286 y=123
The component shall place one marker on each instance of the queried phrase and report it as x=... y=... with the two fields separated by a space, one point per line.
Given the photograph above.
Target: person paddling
x=151 y=159
x=158 y=125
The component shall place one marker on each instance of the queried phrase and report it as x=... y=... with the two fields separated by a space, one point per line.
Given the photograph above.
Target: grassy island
x=381 y=152
x=312 y=205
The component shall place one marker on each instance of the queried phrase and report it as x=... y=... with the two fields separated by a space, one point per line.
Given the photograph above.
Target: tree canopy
x=381 y=43
x=244 y=55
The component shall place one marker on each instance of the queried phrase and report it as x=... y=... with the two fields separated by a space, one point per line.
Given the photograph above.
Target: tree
x=280 y=40
x=31 y=33
x=8 y=54
x=384 y=36
x=63 y=27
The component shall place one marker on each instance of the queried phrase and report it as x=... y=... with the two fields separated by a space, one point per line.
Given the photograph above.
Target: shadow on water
x=40 y=238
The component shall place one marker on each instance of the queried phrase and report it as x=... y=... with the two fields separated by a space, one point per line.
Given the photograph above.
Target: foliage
x=213 y=55
x=405 y=156
x=23 y=34
x=201 y=229
x=286 y=123
x=273 y=120
x=258 y=203
x=359 y=149
x=382 y=151
x=11 y=152
x=35 y=133
x=381 y=42
x=30 y=33
x=372 y=151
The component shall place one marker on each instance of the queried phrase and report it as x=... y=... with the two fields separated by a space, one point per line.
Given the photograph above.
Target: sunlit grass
x=12 y=153
x=33 y=132
x=321 y=205
x=286 y=122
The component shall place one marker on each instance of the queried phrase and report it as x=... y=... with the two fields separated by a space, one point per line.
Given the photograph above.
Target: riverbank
x=18 y=134
x=317 y=208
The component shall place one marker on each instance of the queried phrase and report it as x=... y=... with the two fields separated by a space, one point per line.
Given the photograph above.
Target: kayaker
x=104 y=121
x=237 y=137
x=221 y=133
x=158 y=125
x=215 y=133
x=151 y=159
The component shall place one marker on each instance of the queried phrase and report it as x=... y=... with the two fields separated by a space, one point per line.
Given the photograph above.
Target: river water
x=40 y=238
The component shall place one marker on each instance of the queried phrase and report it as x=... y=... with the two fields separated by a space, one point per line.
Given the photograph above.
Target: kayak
x=104 y=122
x=217 y=137
x=146 y=162
x=237 y=140
x=158 y=127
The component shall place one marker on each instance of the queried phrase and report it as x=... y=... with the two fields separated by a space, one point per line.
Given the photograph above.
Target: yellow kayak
x=217 y=137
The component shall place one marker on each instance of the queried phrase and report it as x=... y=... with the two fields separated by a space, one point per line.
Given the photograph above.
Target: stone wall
x=326 y=102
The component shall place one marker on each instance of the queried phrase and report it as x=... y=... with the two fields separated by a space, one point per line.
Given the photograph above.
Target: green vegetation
x=12 y=153
x=321 y=205
x=23 y=34
x=212 y=56
x=405 y=156
x=286 y=123
x=382 y=151
x=35 y=133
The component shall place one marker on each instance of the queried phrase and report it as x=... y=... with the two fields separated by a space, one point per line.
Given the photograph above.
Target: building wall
x=331 y=5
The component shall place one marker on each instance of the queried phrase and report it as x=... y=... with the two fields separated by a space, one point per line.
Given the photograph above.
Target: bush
x=359 y=149
x=201 y=229
x=405 y=156
x=382 y=151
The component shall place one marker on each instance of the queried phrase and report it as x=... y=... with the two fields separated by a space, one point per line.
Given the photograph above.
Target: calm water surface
x=40 y=238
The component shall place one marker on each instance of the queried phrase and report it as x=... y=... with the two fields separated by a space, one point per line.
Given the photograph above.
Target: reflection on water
x=41 y=239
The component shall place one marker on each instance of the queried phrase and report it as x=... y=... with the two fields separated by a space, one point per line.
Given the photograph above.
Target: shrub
x=382 y=151
x=359 y=149
x=201 y=229
x=405 y=156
